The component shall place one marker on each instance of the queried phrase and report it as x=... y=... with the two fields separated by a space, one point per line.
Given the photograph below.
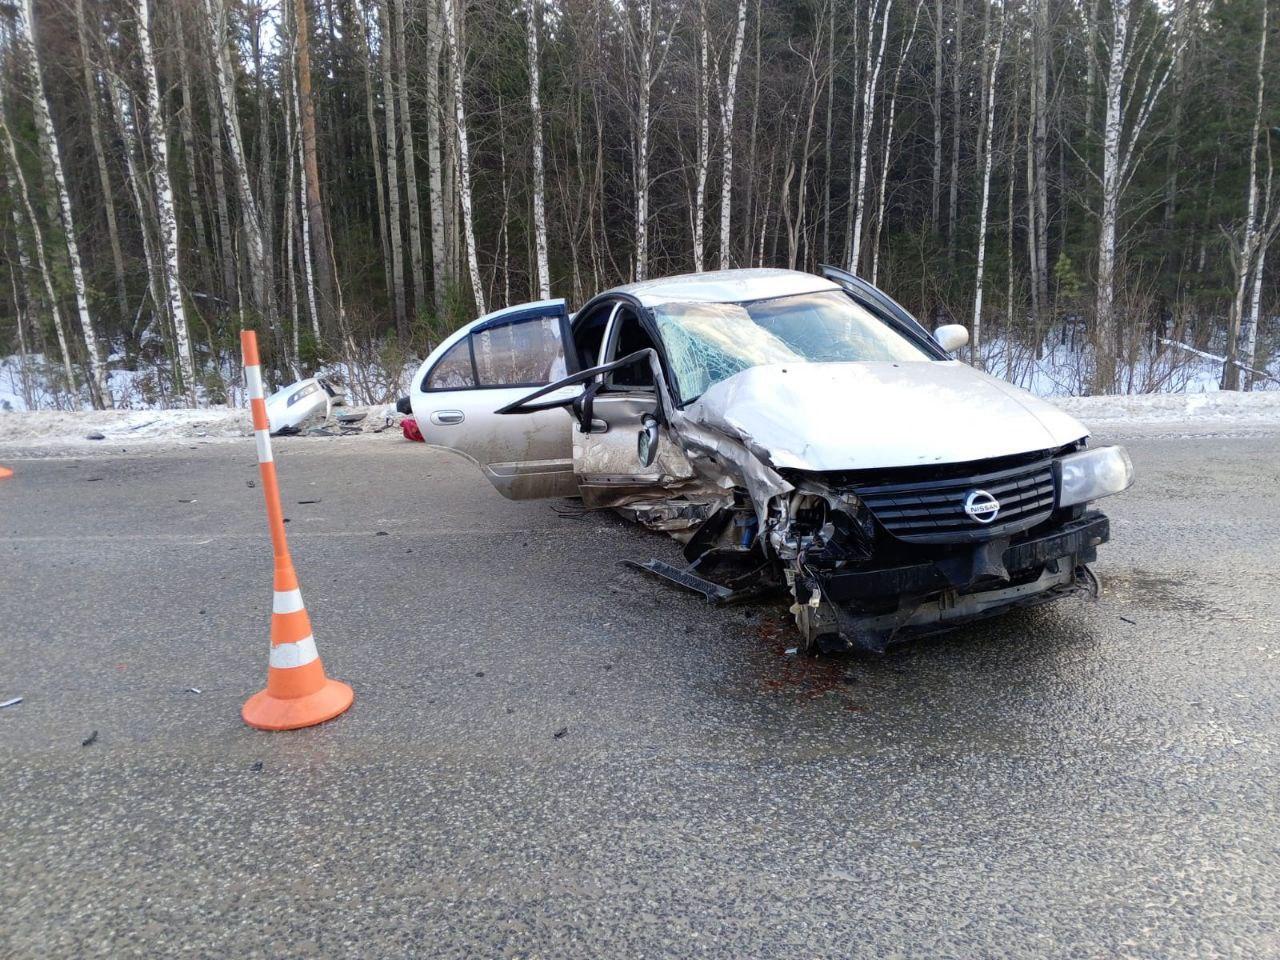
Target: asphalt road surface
x=552 y=756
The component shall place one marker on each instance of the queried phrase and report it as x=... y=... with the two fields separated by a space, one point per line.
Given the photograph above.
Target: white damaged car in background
x=797 y=433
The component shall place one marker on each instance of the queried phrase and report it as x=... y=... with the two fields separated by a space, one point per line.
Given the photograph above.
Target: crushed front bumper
x=873 y=607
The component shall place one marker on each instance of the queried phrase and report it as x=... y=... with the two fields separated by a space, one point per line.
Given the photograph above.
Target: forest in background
x=1086 y=182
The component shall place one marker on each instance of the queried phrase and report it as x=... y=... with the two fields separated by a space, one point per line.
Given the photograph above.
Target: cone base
x=266 y=712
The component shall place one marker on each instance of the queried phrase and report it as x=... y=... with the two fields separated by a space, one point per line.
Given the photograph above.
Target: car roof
x=725 y=286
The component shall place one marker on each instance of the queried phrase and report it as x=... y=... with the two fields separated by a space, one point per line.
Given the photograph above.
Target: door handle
x=446 y=417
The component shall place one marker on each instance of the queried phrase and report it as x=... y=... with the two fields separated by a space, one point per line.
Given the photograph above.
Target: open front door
x=628 y=453
x=491 y=363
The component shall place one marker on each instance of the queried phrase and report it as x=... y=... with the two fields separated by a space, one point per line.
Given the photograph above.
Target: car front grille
x=933 y=510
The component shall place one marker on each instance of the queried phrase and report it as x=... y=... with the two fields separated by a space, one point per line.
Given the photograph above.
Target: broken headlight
x=1091 y=474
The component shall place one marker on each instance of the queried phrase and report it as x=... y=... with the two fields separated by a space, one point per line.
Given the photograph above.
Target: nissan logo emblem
x=981 y=506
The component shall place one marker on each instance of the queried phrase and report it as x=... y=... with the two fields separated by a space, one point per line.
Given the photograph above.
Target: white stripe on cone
x=253 y=381
x=286 y=655
x=264 y=445
x=286 y=601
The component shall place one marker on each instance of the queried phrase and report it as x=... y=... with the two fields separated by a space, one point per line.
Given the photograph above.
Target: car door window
x=454 y=370
x=526 y=352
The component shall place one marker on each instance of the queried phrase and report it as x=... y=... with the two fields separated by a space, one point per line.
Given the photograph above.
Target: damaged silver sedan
x=797 y=433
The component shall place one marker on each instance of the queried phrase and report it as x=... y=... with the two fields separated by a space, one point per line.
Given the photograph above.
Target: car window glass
x=453 y=371
x=529 y=352
x=710 y=342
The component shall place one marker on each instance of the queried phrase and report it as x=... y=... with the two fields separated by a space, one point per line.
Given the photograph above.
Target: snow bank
x=53 y=428
x=1220 y=406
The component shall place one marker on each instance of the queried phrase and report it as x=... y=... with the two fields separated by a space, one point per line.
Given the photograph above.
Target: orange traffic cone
x=5 y=473
x=298 y=693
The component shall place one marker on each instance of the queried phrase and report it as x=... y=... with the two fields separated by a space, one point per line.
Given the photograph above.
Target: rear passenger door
x=488 y=364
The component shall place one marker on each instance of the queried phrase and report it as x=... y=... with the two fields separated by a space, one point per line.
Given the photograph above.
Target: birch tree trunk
x=988 y=153
x=704 y=141
x=728 y=98
x=263 y=288
x=227 y=249
x=935 y=207
x=100 y=161
x=324 y=261
x=441 y=271
x=19 y=180
x=953 y=192
x=1104 y=309
x=1130 y=100
x=158 y=129
x=1231 y=369
x=375 y=160
x=872 y=77
x=410 y=167
x=539 y=187
x=1038 y=185
x=641 y=270
x=99 y=392
x=887 y=156
x=187 y=131
x=393 y=173
x=294 y=126
x=464 y=153
x=134 y=163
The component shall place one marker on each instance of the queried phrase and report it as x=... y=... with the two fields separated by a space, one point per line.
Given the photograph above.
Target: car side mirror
x=951 y=336
x=647 y=441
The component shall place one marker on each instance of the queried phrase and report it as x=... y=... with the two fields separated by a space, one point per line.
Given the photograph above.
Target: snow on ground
x=58 y=428
x=1209 y=407
x=110 y=428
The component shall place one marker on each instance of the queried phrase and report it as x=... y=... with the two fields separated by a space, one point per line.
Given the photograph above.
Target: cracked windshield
x=710 y=342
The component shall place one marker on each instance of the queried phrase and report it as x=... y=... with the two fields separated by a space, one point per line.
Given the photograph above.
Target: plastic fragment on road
x=12 y=702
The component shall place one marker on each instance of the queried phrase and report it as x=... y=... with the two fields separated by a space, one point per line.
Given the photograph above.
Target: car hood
x=863 y=416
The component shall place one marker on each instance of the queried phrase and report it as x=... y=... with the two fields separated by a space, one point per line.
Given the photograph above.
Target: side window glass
x=453 y=372
x=526 y=353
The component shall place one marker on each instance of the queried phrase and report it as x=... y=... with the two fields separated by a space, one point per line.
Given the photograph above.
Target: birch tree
x=393 y=172
x=1137 y=71
x=99 y=391
x=646 y=78
x=100 y=161
x=260 y=273
x=988 y=152
x=890 y=119
x=410 y=164
x=728 y=98
x=441 y=267
x=539 y=185
x=871 y=78
x=18 y=180
x=704 y=140
x=457 y=68
x=1252 y=227
x=324 y=260
x=158 y=129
